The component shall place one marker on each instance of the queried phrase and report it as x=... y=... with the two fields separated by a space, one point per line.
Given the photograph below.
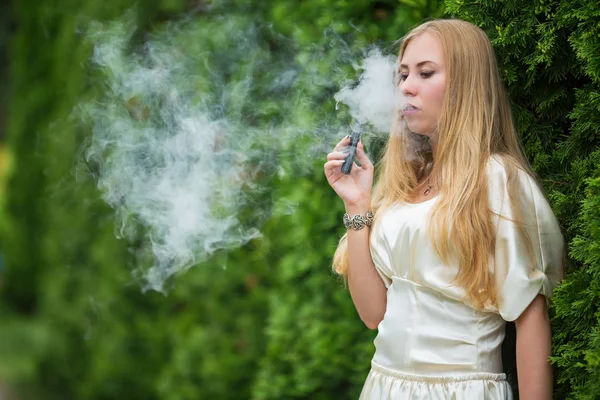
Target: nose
x=408 y=87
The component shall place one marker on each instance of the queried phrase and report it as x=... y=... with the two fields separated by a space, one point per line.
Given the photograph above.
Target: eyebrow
x=418 y=64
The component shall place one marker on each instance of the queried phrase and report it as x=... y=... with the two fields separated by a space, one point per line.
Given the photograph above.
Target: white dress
x=431 y=344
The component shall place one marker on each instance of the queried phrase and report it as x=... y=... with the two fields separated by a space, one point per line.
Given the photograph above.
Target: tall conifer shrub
x=549 y=54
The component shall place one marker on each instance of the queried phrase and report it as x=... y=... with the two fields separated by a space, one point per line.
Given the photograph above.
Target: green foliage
x=5 y=171
x=273 y=323
x=269 y=320
x=317 y=347
x=549 y=54
x=75 y=324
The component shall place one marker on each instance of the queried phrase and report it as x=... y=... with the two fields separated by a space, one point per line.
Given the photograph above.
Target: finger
x=333 y=170
x=342 y=143
x=361 y=156
x=333 y=165
x=337 y=155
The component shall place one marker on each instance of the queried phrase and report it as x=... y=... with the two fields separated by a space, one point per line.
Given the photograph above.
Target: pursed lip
x=410 y=107
x=409 y=110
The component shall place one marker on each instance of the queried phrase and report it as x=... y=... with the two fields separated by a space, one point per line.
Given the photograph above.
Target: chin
x=419 y=129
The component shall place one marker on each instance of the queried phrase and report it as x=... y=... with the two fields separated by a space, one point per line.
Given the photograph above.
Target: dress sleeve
x=380 y=254
x=521 y=276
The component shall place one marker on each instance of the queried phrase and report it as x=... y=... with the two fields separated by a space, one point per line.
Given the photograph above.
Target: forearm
x=366 y=286
x=533 y=352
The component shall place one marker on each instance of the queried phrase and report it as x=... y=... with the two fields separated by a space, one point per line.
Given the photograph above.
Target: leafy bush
x=550 y=58
x=275 y=323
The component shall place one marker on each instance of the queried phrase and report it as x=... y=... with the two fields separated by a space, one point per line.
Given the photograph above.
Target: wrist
x=354 y=209
x=359 y=207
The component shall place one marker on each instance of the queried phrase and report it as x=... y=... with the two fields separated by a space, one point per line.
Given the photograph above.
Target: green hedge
x=275 y=323
x=550 y=58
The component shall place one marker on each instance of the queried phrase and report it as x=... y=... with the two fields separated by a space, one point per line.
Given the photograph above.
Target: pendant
x=427 y=191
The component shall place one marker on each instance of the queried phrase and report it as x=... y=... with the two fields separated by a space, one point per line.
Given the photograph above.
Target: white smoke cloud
x=175 y=145
x=374 y=99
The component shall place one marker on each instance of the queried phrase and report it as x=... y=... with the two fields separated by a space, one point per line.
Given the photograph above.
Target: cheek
x=436 y=95
x=438 y=91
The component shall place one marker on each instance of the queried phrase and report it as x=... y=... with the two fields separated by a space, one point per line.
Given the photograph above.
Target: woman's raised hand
x=355 y=188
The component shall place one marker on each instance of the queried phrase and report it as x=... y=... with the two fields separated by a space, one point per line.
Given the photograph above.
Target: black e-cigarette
x=354 y=139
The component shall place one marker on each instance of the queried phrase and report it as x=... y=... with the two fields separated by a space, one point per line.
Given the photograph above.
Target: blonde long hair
x=475 y=123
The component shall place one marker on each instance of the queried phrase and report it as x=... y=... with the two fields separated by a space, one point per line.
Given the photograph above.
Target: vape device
x=354 y=139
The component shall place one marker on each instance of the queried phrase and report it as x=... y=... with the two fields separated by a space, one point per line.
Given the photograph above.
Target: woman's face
x=422 y=83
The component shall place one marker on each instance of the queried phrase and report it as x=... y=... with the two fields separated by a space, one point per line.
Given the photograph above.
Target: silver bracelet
x=358 y=222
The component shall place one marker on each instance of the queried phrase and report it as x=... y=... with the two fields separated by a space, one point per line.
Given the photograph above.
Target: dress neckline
x=422 y=202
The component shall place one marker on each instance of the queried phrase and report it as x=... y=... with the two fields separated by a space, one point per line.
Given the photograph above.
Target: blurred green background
x=276 y=323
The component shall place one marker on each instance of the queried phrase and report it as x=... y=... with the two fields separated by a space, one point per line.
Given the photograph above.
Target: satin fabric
x=383 y=383
x=431 y=342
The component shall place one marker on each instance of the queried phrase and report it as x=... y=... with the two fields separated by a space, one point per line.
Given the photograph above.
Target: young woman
x=462 y=238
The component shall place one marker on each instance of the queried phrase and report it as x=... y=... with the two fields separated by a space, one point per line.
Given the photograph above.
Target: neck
x=434 y=150
x=434 y=175
x=433 y=141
